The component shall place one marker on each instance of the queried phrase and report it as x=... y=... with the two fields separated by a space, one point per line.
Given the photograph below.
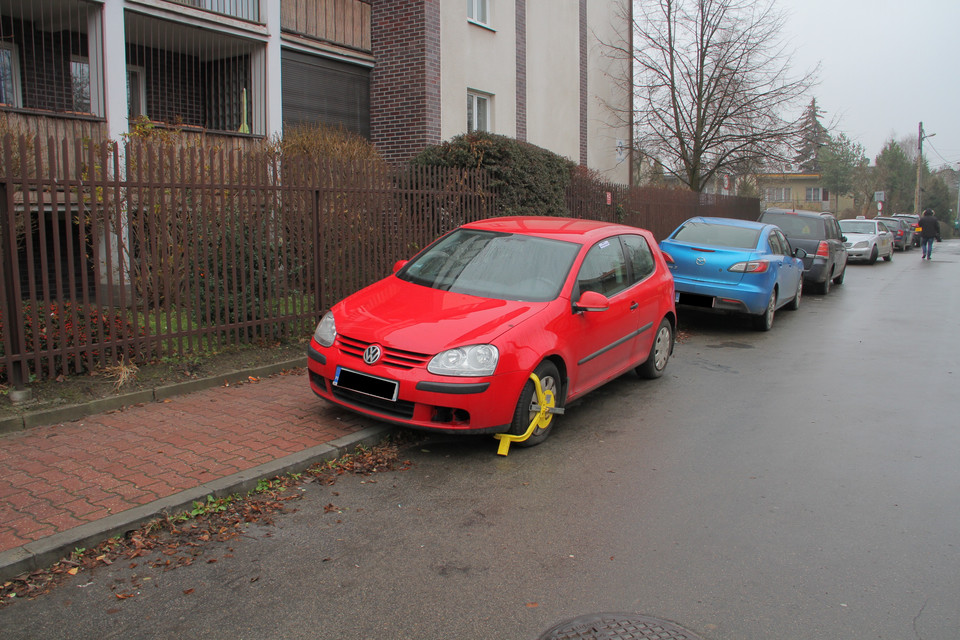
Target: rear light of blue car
x=753 y=266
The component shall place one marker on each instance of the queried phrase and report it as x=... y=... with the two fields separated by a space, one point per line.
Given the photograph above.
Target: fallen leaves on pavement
x=175 y=541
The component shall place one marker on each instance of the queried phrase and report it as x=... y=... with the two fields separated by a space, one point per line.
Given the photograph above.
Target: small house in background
x=800 y=191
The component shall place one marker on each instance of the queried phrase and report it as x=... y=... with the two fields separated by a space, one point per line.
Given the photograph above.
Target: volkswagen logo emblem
x=372 y=354
x=701 y=261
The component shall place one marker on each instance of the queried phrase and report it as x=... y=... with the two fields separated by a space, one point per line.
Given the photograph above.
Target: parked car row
x=498 y=325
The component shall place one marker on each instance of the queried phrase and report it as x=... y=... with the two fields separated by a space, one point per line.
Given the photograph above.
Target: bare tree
x=714 y=89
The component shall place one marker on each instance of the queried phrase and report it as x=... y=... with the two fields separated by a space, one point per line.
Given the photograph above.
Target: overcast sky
x=886 y=66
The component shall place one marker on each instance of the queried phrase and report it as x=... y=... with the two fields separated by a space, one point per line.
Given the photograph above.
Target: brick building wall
x=522 y=70
x=405 y=83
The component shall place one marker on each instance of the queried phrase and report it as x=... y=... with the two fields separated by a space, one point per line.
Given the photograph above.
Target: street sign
x=879 y=196
x=880 y=205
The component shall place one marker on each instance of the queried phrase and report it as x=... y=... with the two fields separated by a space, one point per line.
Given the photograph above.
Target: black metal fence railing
x=145 y=250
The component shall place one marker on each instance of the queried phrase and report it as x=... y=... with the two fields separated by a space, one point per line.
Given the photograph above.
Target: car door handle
x=634 y=305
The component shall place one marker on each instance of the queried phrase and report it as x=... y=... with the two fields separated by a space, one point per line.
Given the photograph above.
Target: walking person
x=929 y=231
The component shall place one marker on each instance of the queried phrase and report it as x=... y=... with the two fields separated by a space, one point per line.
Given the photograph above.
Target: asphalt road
x=797 y=484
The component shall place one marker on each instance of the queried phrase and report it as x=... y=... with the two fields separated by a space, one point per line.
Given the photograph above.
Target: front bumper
x=423 y=400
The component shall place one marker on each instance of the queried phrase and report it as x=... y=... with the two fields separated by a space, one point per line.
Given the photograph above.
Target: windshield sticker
x=604 y=244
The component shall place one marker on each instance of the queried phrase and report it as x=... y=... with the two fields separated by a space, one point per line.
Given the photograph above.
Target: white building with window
x=536 y=70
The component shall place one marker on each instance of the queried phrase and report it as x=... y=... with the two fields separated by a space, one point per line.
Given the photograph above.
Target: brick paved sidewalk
x=62 y=478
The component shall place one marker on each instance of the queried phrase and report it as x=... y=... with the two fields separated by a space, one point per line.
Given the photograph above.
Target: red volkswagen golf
x=449 y=341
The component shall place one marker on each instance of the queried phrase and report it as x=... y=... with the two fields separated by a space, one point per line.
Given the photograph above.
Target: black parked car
x=913 y=221
x=819 y=235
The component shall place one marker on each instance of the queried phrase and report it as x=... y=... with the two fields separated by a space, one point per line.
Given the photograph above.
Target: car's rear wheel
x=825 y=285
x=889 y=256
x=795 y=303
x=524 y=414
x=764 y=322
x=660 y=352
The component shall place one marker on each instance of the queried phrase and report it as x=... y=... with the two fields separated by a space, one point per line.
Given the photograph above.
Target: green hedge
x=529 y=179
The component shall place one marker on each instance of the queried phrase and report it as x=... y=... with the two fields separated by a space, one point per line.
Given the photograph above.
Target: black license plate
x=366 y=384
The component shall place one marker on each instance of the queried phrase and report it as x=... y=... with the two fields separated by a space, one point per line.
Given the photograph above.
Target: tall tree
x=813 y=138
x=838 y=161
x=713 y=86
x=896 y=176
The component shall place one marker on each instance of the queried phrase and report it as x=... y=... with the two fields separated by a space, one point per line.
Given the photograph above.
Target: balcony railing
x=340 y=22
x=243 y=9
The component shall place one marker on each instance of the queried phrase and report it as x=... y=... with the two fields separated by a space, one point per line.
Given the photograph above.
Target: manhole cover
x=617 y=626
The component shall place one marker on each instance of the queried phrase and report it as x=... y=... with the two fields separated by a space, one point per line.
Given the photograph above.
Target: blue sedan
x=736 y=266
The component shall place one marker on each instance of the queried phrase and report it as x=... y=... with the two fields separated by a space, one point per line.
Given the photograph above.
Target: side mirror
x=591 y=301
x=799 y=253
x=399 y=264
x=843 y=238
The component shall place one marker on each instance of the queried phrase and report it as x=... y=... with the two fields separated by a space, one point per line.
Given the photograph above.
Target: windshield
x=795 y=226
x=494 y=265
x=858 y=226
x=717 y=235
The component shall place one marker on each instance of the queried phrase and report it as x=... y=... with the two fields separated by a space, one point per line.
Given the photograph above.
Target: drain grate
x=617 y=626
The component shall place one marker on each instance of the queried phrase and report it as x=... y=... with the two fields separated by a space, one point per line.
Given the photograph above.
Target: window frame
x=474 y=99
x=478 y=12
x=15 y=77
x=138 y=72
x=81 y=60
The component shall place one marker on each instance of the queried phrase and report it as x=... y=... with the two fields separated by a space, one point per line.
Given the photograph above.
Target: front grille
x=399 y=409
x=391 y=357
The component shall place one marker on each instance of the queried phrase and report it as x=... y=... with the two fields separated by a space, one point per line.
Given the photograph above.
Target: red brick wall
x=521 y=9
x=405 y=83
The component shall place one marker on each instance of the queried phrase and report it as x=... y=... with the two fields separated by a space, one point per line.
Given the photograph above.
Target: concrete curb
x=70 y=413
x=44 y=553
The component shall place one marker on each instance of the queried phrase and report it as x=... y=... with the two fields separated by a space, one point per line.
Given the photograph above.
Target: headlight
x=475 y=360
x=861 y=245
x=326 y=331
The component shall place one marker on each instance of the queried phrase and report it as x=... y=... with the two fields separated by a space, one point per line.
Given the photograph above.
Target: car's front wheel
x=874 y=254
x=764 y=322
x=528 y=405
x=660 y=352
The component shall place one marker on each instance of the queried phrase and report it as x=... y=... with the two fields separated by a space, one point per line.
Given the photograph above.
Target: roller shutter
x=316 y=89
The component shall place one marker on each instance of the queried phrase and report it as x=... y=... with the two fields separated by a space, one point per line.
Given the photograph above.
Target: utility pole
x=916 y=195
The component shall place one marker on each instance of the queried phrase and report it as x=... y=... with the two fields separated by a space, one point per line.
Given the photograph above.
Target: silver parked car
x=867 y=239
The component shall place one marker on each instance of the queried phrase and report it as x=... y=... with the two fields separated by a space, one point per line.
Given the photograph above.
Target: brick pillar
x=405 y=83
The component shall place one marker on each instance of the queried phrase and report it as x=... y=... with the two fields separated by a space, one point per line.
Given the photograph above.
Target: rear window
x=891 y=223
x=794 y=226
x=858 y=226
x=717 y=235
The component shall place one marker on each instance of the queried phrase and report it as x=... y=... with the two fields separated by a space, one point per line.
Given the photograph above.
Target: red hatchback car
x=449 y=341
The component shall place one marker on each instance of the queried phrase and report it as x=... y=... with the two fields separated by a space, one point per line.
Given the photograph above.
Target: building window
x=777 y=194
x=80 y=83
x=478 y=112
x=816 y=194
x=9 y=75
x=477 y=11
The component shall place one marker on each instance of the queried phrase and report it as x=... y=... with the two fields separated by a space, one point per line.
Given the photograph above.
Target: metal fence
x=143 y=251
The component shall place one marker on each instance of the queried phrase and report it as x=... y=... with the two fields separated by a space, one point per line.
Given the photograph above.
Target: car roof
x=731 y=222
x=801 y=212
x=567 y=229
